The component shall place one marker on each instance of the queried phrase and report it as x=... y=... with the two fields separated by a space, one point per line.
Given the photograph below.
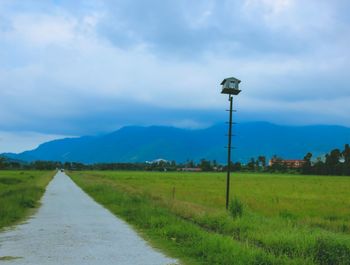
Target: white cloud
x=44 y=30
x=62 y=66
x=272 y=6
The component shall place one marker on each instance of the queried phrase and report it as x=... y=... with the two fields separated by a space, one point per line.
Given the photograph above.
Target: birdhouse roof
x=230 y=79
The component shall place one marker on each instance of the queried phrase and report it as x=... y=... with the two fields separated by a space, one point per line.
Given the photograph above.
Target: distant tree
x=215 y=165
x=346 y=153
x=43 y=165
x=14 y=165
x=251 y=164
x=257 y=165
x=67 y=165
x=333 y=164
x=205 y=165
x=307 y=167
x=236 y=166
x=262 y=161
x=319 y=167
x=76 y=166
x=277 y=164
x=232 y=166
x=2 y=163
x=190 y=164
x=346 y=158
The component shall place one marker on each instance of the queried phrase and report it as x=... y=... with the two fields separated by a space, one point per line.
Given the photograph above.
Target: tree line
x=336 y=162
x=9 y=164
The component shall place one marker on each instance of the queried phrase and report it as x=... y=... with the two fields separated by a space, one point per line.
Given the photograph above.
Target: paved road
x=71 y=228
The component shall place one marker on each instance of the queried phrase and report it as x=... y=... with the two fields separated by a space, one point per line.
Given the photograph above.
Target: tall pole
x=229 y=153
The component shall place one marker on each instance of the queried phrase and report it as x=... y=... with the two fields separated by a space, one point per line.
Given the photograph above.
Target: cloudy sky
x=70 y=68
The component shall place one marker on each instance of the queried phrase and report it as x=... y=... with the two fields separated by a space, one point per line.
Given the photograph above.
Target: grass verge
x=20 y=192
x=198 y=236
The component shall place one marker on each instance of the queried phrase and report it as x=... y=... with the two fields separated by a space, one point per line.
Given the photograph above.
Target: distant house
x=190 y=169
x=292 y=163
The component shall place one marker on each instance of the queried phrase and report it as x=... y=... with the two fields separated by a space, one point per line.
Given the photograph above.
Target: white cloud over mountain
x=83 y=67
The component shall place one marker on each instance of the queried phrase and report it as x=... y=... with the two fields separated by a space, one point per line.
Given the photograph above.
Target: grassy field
x=20 y=192
x=287 y=219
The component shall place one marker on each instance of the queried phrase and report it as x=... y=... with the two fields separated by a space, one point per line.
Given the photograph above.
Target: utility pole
x=229 y=153
x=230 y=86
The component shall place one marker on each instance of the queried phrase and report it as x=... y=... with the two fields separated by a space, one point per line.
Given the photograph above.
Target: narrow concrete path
x=71 y=228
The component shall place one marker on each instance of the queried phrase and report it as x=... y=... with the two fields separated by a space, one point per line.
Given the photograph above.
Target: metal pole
x=229 y=154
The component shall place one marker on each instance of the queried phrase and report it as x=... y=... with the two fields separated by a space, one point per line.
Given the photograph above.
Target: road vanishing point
x=71 y=228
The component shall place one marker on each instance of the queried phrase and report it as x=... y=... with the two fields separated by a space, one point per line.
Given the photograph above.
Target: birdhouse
x=230 y=86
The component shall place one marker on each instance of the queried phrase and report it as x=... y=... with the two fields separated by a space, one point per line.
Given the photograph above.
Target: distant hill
x=138 y=144
x=11 y=160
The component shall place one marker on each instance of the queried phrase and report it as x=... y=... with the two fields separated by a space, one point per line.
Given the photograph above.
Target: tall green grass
x=20 y=192
x=184 y=239
x=257 y=235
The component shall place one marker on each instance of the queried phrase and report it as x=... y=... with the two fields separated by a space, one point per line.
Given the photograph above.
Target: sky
x=86 y=67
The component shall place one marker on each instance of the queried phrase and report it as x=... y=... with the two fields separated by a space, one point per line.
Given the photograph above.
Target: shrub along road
x=71 y=228
x=20 y=192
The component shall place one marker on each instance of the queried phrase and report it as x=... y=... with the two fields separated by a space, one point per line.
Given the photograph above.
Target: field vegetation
x=273 y=219
x=20 y=192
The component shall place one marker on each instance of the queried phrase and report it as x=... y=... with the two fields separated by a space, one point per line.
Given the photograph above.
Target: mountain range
x=139 y=144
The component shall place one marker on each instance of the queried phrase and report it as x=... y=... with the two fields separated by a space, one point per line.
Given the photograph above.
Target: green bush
x=331 y=252
x=236 y=208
